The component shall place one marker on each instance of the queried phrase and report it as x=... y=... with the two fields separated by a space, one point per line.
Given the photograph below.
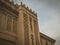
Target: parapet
x=16 y=6
x=29 y=9
x=11 y=3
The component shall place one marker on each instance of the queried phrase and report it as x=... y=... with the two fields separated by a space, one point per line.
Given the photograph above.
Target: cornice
x=9 y=6
x=27 y=8
x=14 y=7
x=6 y=12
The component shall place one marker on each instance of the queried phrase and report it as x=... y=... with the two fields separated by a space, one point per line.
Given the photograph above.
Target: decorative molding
x=28 y=9
x=9 y=6
x=5 y=11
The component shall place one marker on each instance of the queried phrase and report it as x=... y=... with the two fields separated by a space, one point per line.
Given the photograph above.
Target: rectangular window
x=2 y=22
x=14 y=25
x=31 y=23
x=9 y=22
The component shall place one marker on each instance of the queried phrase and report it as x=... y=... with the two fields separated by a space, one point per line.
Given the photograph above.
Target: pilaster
x=20 y=28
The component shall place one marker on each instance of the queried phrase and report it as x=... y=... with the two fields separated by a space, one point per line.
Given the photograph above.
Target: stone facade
x=18 y=24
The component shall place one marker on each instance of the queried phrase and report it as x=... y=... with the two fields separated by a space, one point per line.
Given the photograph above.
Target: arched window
x=9 y=23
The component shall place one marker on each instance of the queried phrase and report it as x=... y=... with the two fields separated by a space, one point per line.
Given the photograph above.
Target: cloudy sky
x=48 y=12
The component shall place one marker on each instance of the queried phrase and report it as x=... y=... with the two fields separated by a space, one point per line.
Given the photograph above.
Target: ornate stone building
x=18 y=24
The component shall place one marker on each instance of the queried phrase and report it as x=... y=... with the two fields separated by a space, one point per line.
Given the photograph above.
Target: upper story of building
x=15 y=8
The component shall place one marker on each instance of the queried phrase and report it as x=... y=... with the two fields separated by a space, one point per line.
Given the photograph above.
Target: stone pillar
x=36 y=29
x=20 y=28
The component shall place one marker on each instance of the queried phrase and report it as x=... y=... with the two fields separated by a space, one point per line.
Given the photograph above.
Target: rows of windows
x=26 y=33
x=8 y=23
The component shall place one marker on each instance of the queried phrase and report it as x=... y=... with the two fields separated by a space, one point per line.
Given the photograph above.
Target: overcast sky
x=48 y=12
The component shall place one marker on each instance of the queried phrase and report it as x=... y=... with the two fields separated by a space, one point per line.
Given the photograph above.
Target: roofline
x=47 y=37
x=27 y=8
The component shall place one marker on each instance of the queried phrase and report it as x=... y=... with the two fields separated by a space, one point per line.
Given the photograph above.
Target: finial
x=36 y=13
x=12 y=1
x=27 y=7
x=16 y=4
x=24 y=5
x=20 y=3
x=31 y=10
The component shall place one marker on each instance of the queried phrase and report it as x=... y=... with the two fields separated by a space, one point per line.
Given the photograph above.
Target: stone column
x=37 y=35
x=20 y=28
